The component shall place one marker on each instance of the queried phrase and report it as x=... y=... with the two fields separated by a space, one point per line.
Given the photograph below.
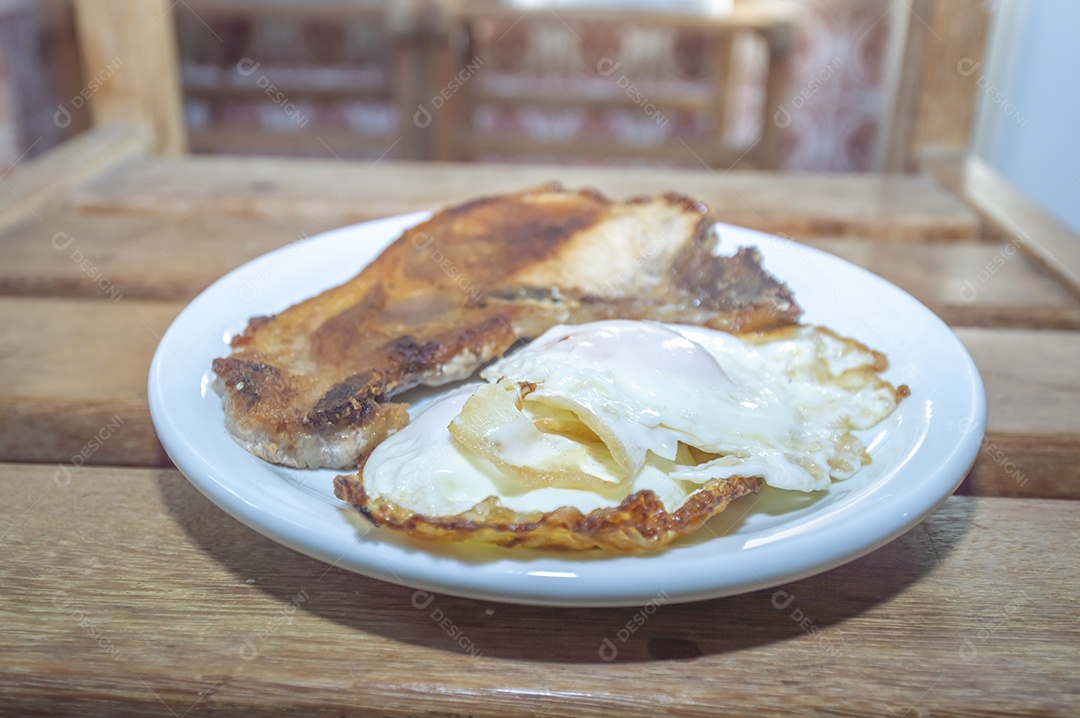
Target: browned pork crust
x=313 y=385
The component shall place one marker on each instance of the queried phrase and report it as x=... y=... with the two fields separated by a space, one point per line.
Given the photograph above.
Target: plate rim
x=538 y=588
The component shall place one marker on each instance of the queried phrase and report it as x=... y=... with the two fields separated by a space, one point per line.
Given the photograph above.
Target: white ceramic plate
x=920 y=454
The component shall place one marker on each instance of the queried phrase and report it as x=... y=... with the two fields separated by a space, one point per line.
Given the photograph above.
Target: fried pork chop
x=312 y=386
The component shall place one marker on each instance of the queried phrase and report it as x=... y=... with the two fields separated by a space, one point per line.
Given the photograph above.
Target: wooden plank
x=781 y=39
x=73 y=380
x=1032 y=446
x=317 y=143
x=322 y=10
x=902 y=118
x=79 y=255
x=127 y=592
x=215 y=89
x=764 y=15
x=984 y=285
x=443 y=126
x=668 y=103
x=31 y=185
x=1021 y=221
x=934 y=98
x=145 y=258
x=130 y=66
x=52 y=407
x=413 y=38
x=899 y=208
x=692 y=154
x=946 y=112
x=947 y=167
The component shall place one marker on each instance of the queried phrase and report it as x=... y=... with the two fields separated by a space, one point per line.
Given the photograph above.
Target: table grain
x=154 y=598
x=126 y=592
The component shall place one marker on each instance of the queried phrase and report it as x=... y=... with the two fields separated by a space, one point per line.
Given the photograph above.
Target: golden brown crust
x=640 y=523
x=313 y=385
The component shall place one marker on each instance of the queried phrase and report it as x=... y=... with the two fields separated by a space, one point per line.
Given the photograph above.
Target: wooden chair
x=597 y=83
x=930 y=116
x=138 y=37
x=149 y=88
x=933 y=89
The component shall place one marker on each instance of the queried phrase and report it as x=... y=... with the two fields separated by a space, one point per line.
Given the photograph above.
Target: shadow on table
x=816 y=607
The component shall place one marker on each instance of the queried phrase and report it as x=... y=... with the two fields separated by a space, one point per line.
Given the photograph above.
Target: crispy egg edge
x=639 y=524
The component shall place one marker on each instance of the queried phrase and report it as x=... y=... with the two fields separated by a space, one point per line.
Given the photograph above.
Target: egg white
x=782 y=408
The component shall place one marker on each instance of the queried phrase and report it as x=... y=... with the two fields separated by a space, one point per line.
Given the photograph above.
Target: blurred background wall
x=846 y=55
x=834 y=129
x=1029 y=101
x=29 y=80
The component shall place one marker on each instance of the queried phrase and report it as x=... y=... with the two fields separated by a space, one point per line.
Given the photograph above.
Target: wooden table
x=125 y=592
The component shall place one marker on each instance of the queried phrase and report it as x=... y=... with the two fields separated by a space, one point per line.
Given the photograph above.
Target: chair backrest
x=128 y=50
x=935 y=83
x=574 y=83
x=130 y=65
x=462 y=74
x=255 y=75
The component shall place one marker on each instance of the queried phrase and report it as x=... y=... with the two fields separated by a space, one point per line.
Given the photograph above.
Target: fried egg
x=624 y=435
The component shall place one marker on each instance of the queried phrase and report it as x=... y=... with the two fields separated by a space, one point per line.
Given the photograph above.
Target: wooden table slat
x=141 y=257
x=31 y=185
x=1026 y=224
x=70 y=254
x=1032 y=381
x=51 y=407
x=127 y=593
x=967 y=284
x=901 y=207
x=73 y=377
x=153 y=598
